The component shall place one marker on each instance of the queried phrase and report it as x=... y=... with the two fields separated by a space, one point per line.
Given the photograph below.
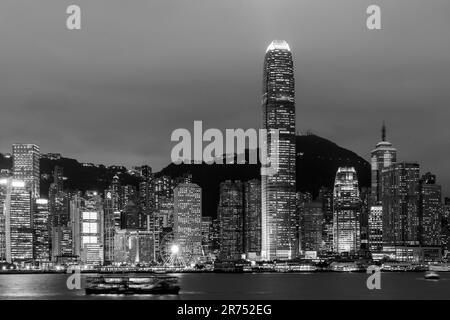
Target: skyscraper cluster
x=160 y=219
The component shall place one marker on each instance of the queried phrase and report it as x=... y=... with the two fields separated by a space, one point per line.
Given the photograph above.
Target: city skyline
x=350 y=74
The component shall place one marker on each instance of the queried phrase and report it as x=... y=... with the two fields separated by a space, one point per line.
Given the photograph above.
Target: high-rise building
x=430 y=211
x=26 y=166
x=252 y=218
x=62 y=244
x=278 y=190
x=346 y=211
x=88 y=235
x=133 y=246
x=230 y=213
x=188 y=221
x=110 y=227
x=207 y=236
x=311 y=221
x=400 y=204
x=376 y=229
x=41 y=229
x=382 y=157
x=326 y=198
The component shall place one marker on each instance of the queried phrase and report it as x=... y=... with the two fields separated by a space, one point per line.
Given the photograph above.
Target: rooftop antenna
x=383 y=132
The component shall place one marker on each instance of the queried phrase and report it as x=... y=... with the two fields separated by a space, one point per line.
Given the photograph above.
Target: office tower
x=346 y=211
x=230 y=213
x=4 y=178
x=188 y=221
x=278 y=190
x=62 y=244
x=376 y=229
x=58 y=200
x=41 y=229
x=26 y=166
x=302 y=198
x=115 y=194
x=382 y=157
x=207 y=236
x=326 y=198
x=252 y=218
x=400 y=204
x=163 y=188
x=88 y=234
x=132 y=217
x=109 y=228
x=364 y=219
x=311 y=221
x=18 y=221
x=430 y=211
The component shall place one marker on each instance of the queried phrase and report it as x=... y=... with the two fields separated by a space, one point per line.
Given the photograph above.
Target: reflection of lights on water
x=175 y=249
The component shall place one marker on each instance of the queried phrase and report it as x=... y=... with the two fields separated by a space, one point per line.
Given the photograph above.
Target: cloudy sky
x=114 y=91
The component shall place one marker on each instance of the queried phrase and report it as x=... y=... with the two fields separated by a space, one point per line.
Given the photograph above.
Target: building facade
x=278 y=190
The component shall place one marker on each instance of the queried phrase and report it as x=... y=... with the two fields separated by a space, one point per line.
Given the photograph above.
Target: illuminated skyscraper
x=26 y=166
x=430 y=211
x=400 y=204
x=18 y=221
x=376 y=229
x=383 y=156
x=88 y=234
x=252 y=218
x=311 y=226
x=346 y=211
x=41 y=229
x=278 y=190
x=188 y=221
x=231 y=216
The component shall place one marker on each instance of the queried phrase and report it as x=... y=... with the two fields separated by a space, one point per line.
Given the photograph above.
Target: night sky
x=114 y=91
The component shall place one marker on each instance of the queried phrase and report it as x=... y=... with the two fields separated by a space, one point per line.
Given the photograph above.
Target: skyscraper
x=26 y=166
x=252 y=217
x=41 y=229
x=188 y=221
x=18 y=221
x=231 y=216
x=326 y=198
x=278 y=190
x=382 y=157
x=346 y=211
x=88 y=234
x=400 y=204
x=311 y=226
x=430 y=211
x=376 y=229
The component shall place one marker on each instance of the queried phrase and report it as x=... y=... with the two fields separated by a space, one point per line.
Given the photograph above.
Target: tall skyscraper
x=41 y=229
x=88 y=234
x=400 y=204
x=376 y=229
x=26 y=166
x=382 y=157
x=326 y=198
x=346 y=211
x=188 y=221
x=445 y=231
x=278 y=190
x=430 y=211
x=18 y=221
x=311 y=226
x=231 y=216
x=252 y=218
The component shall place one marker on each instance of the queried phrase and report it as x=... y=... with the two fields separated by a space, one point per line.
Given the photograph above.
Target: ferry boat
x=431 y=275
x=132 y=285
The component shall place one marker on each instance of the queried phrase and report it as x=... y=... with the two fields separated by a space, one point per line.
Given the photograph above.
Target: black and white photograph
x=230 y=152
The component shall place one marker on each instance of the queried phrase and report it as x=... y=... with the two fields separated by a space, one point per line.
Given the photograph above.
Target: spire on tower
x=383 y=132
